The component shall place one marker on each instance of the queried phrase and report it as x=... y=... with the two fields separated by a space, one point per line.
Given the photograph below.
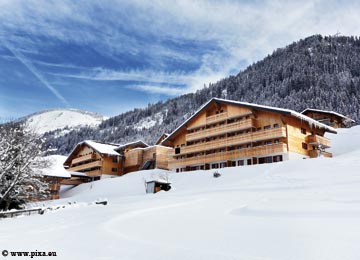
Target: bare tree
x=20 y=161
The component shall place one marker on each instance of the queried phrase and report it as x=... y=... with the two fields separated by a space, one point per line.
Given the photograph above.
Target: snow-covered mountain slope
x=50 y=120
x=299 y=210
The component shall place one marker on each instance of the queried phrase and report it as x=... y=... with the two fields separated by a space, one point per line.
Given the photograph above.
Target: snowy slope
x=60 y=118
x=299 y=210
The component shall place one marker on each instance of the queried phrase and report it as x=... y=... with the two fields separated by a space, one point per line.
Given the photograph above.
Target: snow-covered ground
x=305 y=209
x=50 y=120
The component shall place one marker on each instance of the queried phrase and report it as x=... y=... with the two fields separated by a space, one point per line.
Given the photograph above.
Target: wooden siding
x=86 y=166
x=317 y=153
x=133 y=158
x=235 y=140
x=318 y=140
x=226 y=128
x=230 y=155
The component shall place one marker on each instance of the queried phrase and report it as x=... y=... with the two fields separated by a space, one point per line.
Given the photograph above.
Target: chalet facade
x=225 y=133
x=95 y=160
x=329 y=118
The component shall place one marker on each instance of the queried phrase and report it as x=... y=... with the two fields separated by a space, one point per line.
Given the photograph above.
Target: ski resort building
x=329 y=118
x=225 y=133
x=99 y=160
x=95 y=159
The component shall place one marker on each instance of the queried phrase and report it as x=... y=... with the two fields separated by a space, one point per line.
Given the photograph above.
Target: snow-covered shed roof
x=326 y=112
x=283 y=111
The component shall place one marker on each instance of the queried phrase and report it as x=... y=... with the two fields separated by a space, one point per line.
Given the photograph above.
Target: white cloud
x=241 y=31
x=169 y=91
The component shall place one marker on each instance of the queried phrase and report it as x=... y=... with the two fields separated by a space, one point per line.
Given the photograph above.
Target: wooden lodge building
x=225 y=133
x=95 y=159
x=329 y=118
x=98 y=160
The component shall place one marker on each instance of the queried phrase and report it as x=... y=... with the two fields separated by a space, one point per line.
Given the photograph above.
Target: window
x=267 y=127
x=214 y=166
x=303 y=131
x=268 y=142
x=276 y=141
x=258 y=129
x=240 y=162
x=248 y=146
x=247 y=117
x=114 y=169
x=177 y=150
x=276 y=125
x=263 y=160
x=249 y=162
x=277 y=158
x=304 y=146
x=115 y=160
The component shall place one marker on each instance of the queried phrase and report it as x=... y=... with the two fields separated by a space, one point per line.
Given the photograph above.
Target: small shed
x=155 y=186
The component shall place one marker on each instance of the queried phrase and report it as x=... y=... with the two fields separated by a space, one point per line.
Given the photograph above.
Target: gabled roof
x=161 y=138
x=101 y=148
x=327 y=112
x=257 y=107
x=138 y=143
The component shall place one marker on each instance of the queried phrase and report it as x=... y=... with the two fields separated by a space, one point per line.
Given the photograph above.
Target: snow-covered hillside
x=50 y=120
x=299 y=210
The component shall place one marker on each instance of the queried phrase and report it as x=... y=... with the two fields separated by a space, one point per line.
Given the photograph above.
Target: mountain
x=316 y=72
x=61 y=120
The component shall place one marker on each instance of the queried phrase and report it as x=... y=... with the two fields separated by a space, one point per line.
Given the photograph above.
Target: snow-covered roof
x=99 y=147
x=56 y=168
x=138 y=142
x=259 y=107
x=81 y=174
x=159 y=181
x=326 y=112
x=102 y=148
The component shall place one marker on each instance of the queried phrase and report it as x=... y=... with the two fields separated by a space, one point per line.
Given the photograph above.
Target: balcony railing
x=318 y=153
x=230 y=155
x=216 y=118
x=239 y=139
x=86 y=166
x=226 y=128
x=318 y=140
x=87 y=157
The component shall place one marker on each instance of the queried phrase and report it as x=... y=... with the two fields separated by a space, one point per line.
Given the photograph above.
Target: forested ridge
x=316 y=72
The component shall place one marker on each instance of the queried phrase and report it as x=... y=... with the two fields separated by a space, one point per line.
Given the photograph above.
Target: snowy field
x=298 y=210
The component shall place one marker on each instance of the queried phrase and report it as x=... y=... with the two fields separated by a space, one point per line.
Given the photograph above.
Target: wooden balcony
x=318 y=140
x=84 y=158
x=235 y=140
x=230 y=155
x=226 y=128
x=216 y=118
x=317 y=153
x=86 y=166
x=94 y=173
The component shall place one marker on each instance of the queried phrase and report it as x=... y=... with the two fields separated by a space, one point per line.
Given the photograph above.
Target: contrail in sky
x=34 y=71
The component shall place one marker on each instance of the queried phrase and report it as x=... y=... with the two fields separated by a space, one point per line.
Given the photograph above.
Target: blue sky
x=111 y=56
